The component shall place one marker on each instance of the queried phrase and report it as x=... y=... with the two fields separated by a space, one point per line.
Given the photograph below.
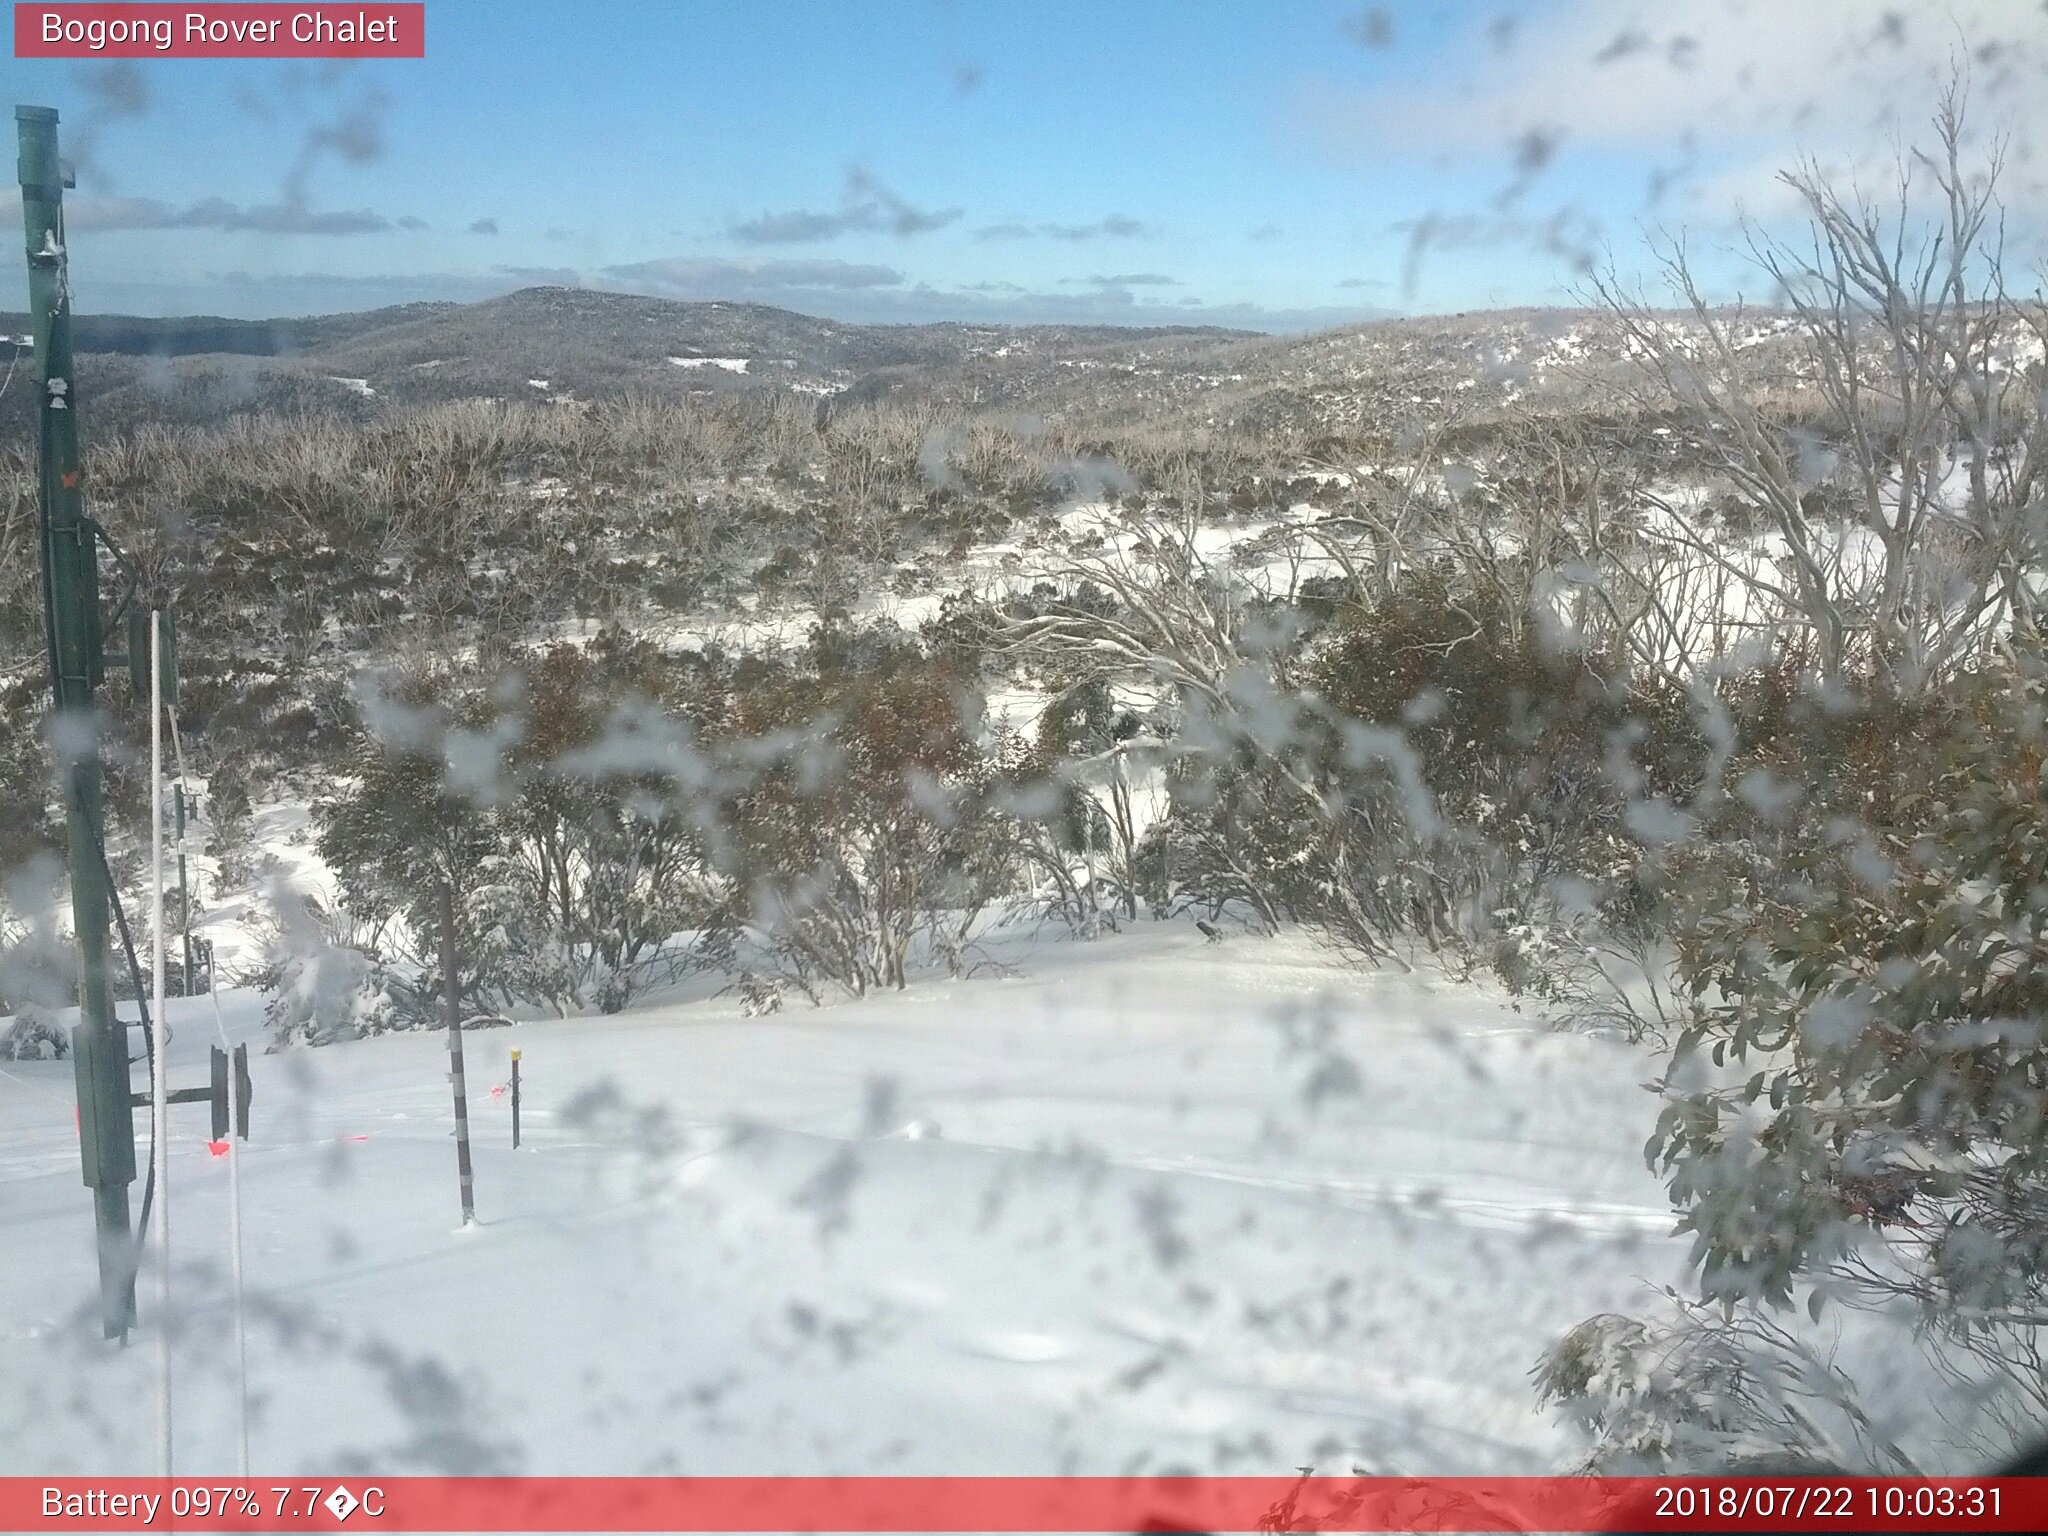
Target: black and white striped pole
x=452 y=990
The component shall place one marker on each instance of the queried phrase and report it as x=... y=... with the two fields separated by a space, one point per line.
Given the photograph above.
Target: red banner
x=1061 y=1504
x=216 y=31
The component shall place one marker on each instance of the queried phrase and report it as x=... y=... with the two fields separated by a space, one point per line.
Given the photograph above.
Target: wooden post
x=515 y=1096
x=452 y=987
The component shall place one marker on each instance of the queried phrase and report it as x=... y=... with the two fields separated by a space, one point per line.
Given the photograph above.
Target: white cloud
x=714 y=277
x=1701 y=89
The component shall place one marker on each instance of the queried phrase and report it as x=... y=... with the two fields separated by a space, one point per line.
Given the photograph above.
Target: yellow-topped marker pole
x=515 y=1096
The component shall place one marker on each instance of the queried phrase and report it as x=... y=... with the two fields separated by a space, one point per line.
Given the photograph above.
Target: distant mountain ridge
x=187 y=335
x=535 y=344
x=572 y=344
x=642 y=325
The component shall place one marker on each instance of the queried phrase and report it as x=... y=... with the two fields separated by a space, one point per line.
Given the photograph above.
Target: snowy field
x=1142 y=1204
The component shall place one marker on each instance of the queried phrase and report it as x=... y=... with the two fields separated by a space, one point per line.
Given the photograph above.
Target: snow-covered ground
x=1143 y=1203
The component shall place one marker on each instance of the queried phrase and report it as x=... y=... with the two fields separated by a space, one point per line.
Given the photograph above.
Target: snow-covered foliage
x=1858 y=1099
x=326 y=993
x=1699 y=1388
x=33 y=1035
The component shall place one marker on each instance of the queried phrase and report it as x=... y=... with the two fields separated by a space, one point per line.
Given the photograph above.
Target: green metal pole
x=106 y=1117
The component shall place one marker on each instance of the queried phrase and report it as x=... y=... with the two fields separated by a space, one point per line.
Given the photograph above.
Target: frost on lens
x=1083 y=897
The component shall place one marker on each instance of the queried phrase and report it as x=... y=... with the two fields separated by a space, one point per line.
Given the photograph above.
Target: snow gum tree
x=868 y=828
x=557 y=803
x=1855 y=901
x=1897 y=472
x=1859 y=1104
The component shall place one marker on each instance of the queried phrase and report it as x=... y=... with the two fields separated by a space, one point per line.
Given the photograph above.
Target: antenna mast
x=71 y=624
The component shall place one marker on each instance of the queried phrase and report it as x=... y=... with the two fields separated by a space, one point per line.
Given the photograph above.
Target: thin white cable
x=160 y=1077
x=220 y=1030
x=185 y=809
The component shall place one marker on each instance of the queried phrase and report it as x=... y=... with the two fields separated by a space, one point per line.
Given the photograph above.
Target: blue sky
x=1273 y=163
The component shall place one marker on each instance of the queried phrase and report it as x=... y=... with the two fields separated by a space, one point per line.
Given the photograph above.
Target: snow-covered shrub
x=1698 y=1389
x=38 y=963
x=1523 y=747
x=1093 y=748
x=1856 y=1104
x=870 y=837
x=1234 y=841
x=759 y=995
x=326 y=993
x=556 y=815
x=1590 y=953
x=1074 y=859
x=1641 y=1399
x=33 y=1036
x=1890 y=983
x=505 y=955
x=37 y=968
x=1412 y=757
x=230 y=816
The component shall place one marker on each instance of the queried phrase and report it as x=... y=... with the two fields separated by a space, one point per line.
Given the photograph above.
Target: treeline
x=609 y=817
